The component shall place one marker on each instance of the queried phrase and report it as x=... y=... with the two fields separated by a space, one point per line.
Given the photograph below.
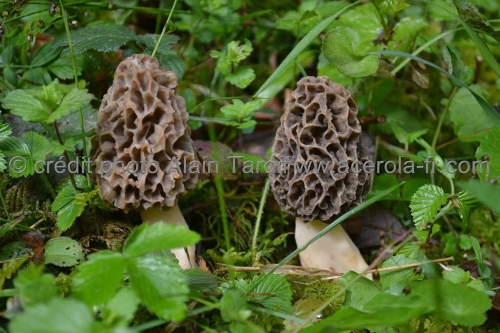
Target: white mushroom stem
x=335 y=251
x=185 y=256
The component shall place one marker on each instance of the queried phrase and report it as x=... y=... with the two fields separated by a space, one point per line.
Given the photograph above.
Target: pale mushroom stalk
x=335 y=251
x=185 y=256
x=320 y=125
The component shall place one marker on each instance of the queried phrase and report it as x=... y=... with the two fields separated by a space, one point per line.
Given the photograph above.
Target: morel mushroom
x=316 y=147
x=142 y=147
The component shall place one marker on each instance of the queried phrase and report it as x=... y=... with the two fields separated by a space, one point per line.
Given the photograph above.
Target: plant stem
x=441 y=119
x=164 y=29
x=259 y=218
x=66 y=156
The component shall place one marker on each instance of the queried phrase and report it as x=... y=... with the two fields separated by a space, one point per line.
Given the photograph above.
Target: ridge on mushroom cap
x=141 y=134
x=319 y=128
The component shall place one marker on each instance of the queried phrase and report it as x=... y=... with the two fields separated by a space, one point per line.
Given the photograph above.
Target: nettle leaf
x=56 y=316
x=102 y=38
x=26 y=151
x=63 y=252
x=241 y=77
x=390 y=6
x=159 y=282
x=341 y=47
x=490 y=147
x=120 y=310
x=426 y=203
x=158 y=237
x=69 y=204
x=97 y=279
x=487 y=194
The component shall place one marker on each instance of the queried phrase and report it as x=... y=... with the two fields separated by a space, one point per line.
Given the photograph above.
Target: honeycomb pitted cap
x=142 y=144
x=315 y=149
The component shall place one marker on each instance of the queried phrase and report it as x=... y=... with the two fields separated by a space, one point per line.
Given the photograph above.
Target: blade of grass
x=259 y=218
x=164 y=28
x=311 y=35
x=487 y=108
x=332 y=225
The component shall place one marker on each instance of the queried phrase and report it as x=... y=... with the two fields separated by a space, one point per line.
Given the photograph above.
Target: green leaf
x=89 y=284
x=45 y=54
x=26 y=151
x=473 y=18
x=490 y=147
x=33 y=287
x=25 y=103
x=279 y=296
x=405 y=137
x=341 y=47
x=236 y=52
x=426 y=203
x=63 y=67
x=63 y=252
x=75 y=99
x=466 y=203
x=173 y=63
x=398 y=276
x=359 y=290
x=55 y=316
x=462 y=107
x=121 y=308
x=488 y=194
x=69 y=204
x=158 y=237
x=233 y=305
x=240 y=111
x=102 y=38
x=405 y=31
x=390 y=6
x=200 y=281
x=456 y=274
x=5 y=131
x=241 y=77
x=159 y=282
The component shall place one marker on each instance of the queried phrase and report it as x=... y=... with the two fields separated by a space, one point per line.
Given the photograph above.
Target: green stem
x=164 y=29
x=259 y=218
x=301 y=69
x=441 y=120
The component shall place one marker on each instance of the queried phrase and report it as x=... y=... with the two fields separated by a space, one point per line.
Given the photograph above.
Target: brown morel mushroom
x=142 y=147
x=316 y=148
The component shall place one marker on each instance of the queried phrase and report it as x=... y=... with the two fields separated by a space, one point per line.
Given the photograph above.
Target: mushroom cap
x=141 y=134
x=320 y=131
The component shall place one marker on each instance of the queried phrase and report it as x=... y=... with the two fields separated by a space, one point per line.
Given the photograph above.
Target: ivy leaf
x=158 y=237
x=241 y=77
x=159 y=282
x=120 y=310
x=490 y=147
x=426 y=203
x=89 y=284
x=69 y=204
x=102 y=38
x=55 y=316
x=63 y=252
x=341 y=47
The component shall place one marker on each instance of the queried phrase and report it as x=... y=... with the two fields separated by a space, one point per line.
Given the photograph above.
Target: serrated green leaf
x=121 y=308
x=466 y=202
x=24 y=103
x=55 y=316
x=236 y=52
x=102 y=38
x=487 y=194
x=150 y=41
x=5 y=131
x=63 y=252
x=241 y=77
x=456 y=274
x=426 y=203
x=158 y=237
x=490 y=147
x=33 y=287
x=233 y=305
x=173 y=63
x=341 y=48
x=69 y=204
x=200 y=281
x=97 y=279
x=159 y=282
x=63 y=67
x=359 y=290
x=73 y=100
x=279 y=293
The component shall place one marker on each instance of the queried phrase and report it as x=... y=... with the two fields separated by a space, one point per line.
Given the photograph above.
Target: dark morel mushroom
x=319 y=174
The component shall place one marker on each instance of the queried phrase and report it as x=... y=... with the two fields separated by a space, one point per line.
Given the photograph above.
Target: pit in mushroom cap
x=320 y=125
x=143 y=120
